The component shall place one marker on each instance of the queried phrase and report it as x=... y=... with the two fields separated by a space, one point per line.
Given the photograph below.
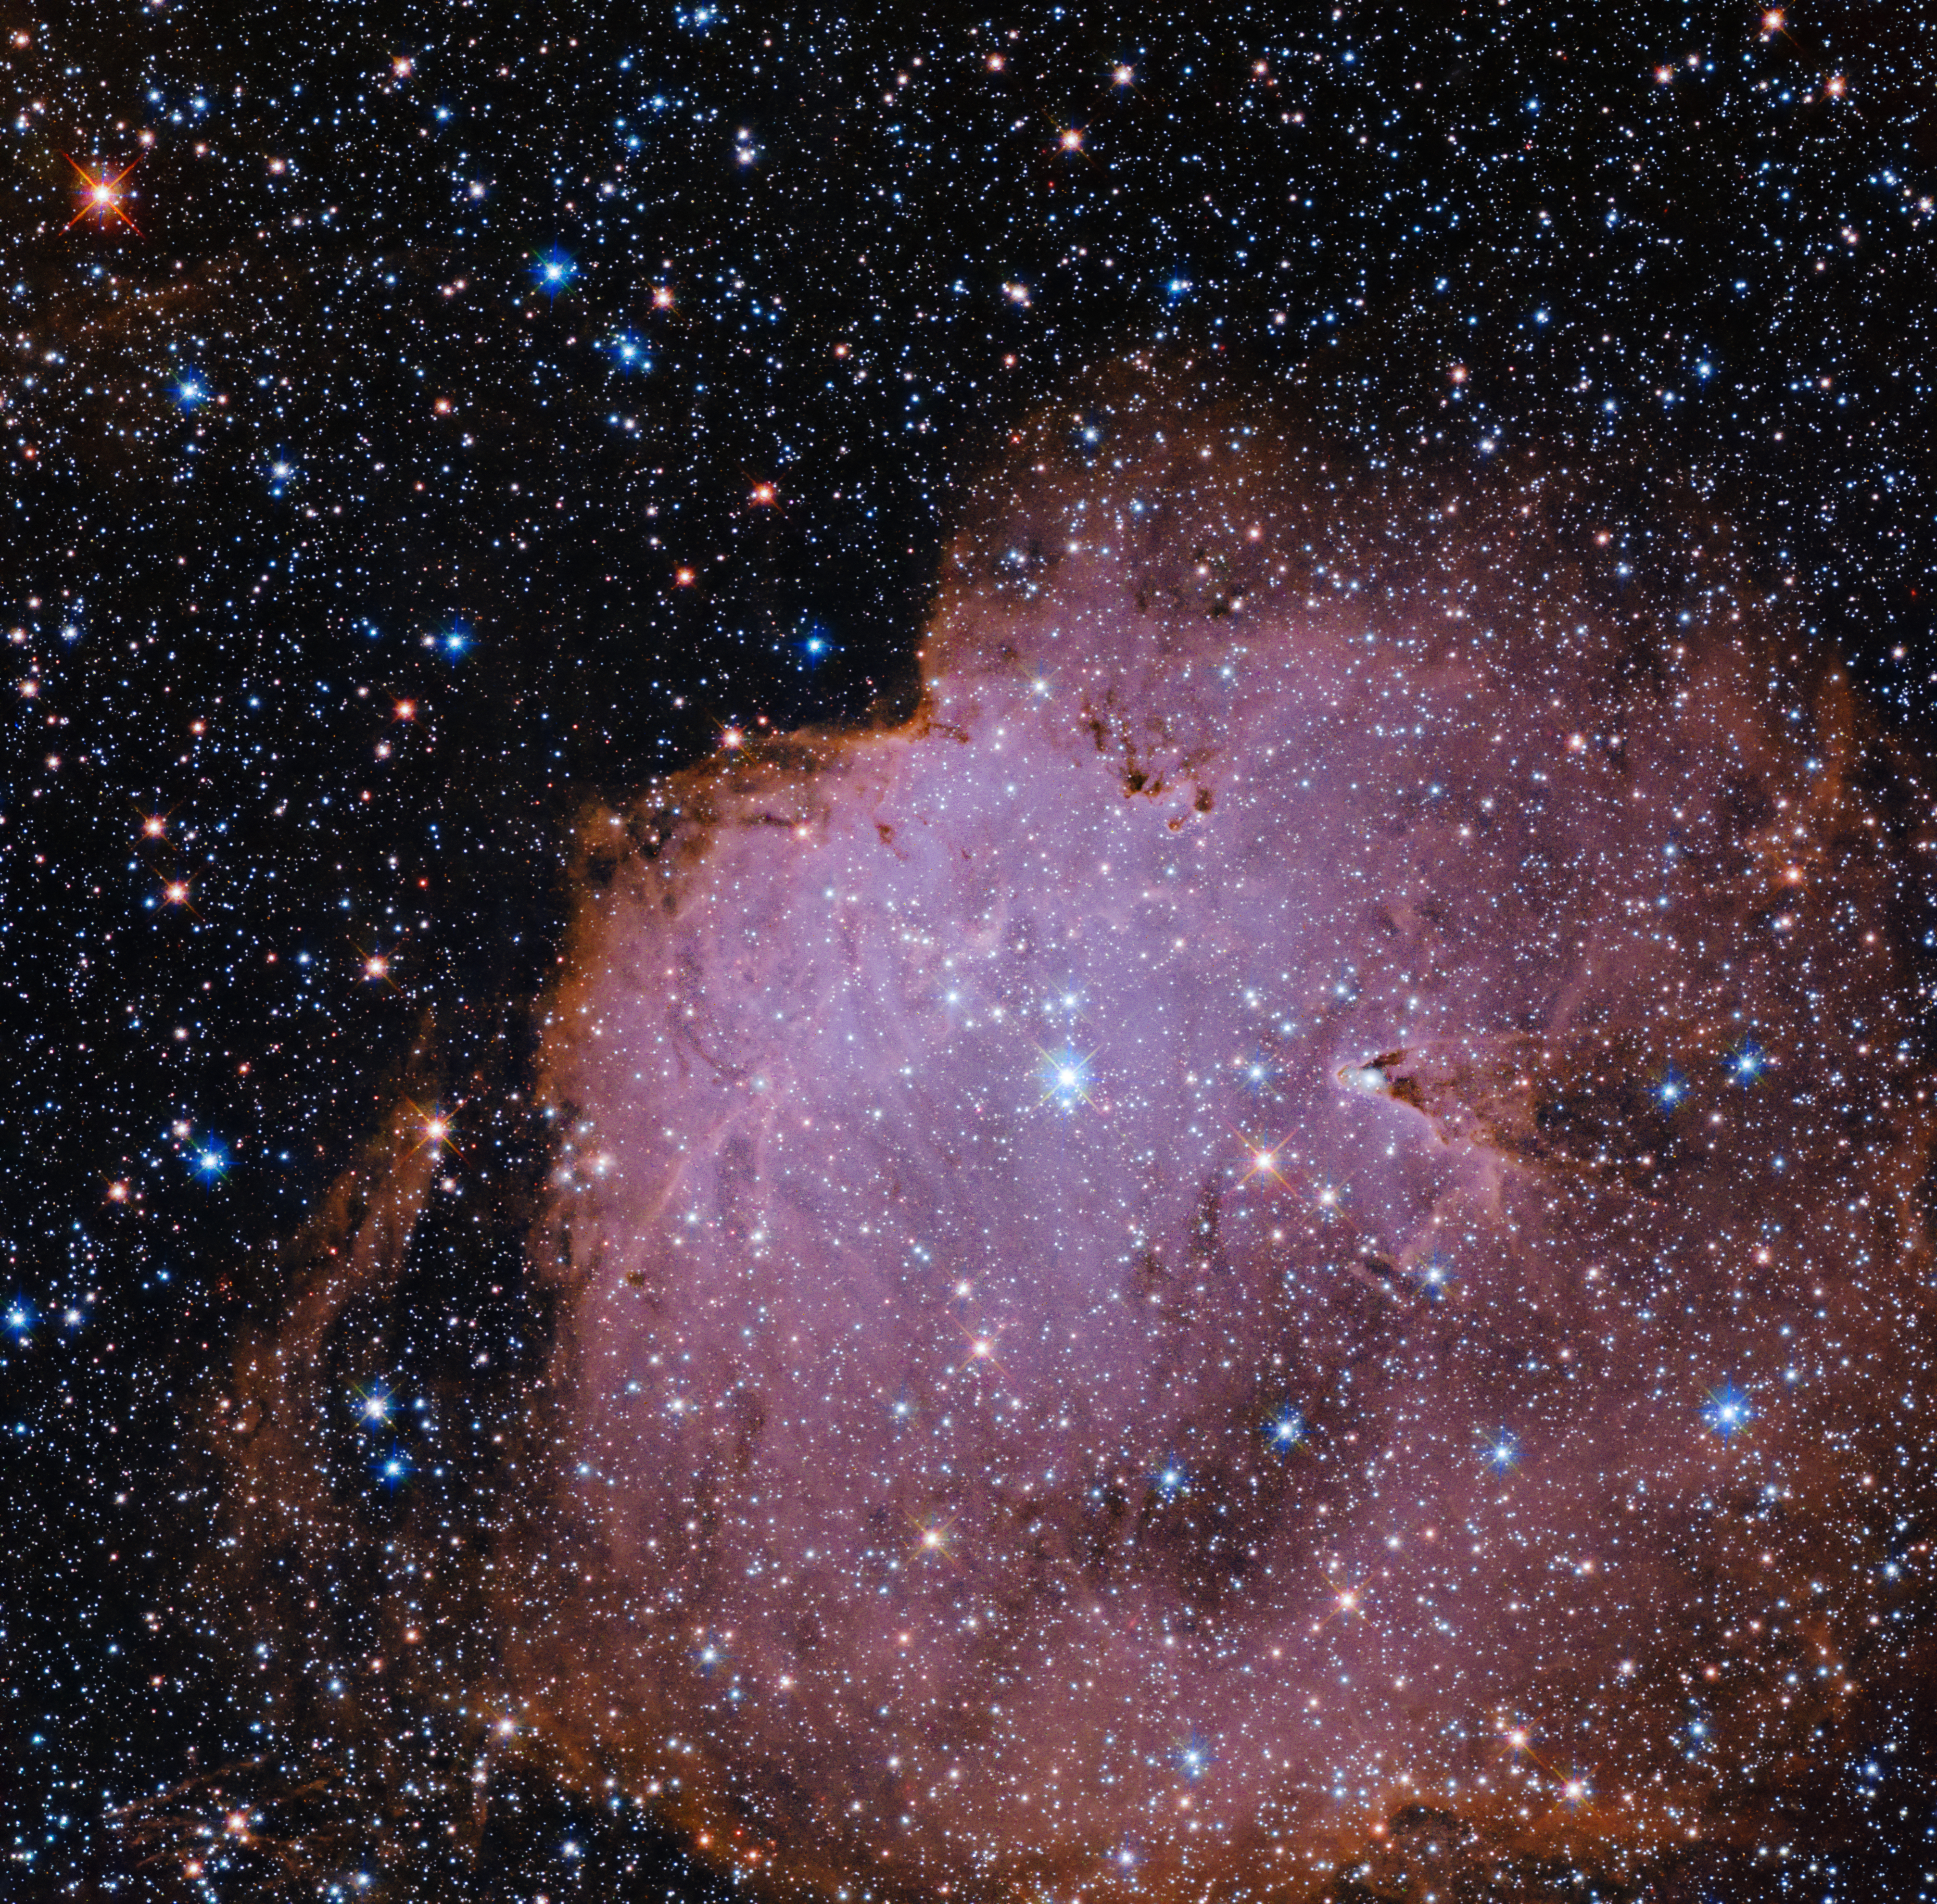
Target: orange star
x=102 y=193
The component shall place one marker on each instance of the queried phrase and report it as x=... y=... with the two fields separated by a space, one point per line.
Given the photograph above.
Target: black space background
x=218 y=601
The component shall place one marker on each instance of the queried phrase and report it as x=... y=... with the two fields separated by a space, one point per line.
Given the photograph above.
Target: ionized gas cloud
x=1208 y=1262
x=1224 y=1235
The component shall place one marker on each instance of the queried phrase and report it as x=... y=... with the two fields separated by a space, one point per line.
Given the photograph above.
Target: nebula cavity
x=1288 y=1222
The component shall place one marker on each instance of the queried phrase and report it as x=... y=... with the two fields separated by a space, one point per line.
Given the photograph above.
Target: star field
x=449 y=448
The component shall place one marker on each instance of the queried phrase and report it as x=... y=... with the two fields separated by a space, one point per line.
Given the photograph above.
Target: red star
x=101 y=193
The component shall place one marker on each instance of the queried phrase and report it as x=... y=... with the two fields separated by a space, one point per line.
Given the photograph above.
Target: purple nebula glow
x=1140 y=1309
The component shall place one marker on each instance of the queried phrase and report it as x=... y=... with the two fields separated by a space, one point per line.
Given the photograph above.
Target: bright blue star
x=1257 y=1073
x=1728 y=1412
x=1193 y=1757
x=1065 y=1078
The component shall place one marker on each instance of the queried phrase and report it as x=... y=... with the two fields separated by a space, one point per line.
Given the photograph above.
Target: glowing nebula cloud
x=1211 y=1258
x=1280 y=1243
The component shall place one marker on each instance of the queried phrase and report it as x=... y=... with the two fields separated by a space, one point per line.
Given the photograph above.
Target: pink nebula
x=1216 y=1248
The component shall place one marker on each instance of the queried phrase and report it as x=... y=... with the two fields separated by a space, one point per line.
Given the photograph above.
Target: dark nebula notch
x=1203 y=1268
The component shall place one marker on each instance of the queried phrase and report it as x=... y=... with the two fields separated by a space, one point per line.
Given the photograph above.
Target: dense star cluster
x=447 y=448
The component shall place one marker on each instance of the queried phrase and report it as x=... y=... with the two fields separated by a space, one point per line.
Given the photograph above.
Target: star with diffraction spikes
x=434 y=1125
x=1065 y=1076
x=103 y=193
x=933 y=1536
